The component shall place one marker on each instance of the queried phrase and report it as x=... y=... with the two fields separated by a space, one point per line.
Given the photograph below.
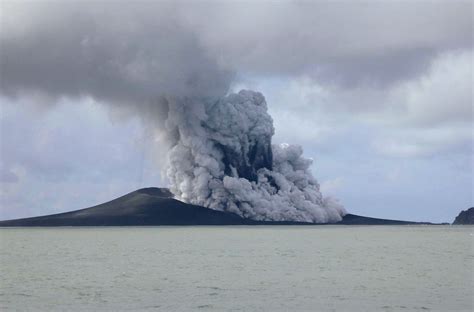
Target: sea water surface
x=237 y=268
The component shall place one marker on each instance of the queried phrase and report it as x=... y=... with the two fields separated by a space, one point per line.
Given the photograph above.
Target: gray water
x=278 y=268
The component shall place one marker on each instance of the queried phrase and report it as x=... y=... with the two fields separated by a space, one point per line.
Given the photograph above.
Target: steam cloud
x=173 y=63
x=222 y=158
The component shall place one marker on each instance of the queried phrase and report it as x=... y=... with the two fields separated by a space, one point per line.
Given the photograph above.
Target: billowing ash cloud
x=222 y=158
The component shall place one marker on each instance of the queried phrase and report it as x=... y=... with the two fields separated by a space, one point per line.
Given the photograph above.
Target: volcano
x=156 y=206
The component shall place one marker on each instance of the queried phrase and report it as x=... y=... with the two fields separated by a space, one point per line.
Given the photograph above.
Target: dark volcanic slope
x=351 y=219
x=465 y=217
x=155 y=206
x=149 y=206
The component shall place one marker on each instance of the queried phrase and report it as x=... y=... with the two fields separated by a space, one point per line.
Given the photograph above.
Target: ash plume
x=222 y=157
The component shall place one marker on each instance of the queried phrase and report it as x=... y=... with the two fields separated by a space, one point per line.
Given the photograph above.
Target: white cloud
x=430 y=114
x=414 y=142
x=441 y=96
x=434 y=113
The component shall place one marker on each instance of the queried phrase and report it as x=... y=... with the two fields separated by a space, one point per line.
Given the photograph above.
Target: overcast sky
x=379 y=94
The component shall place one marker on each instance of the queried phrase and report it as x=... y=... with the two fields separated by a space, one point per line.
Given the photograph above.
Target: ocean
x=237 y=268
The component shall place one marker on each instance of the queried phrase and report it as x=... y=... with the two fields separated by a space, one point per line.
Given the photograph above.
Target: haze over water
x=272 y=268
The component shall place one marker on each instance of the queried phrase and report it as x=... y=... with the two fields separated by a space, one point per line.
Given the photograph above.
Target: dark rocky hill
x=465 y=217
x=149 y=206
x=156 y=206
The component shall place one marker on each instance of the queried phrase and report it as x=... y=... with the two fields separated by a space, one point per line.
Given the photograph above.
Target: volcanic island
x=156 y=207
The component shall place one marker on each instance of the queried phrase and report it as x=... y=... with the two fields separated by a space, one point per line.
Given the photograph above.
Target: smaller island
x=465 y=217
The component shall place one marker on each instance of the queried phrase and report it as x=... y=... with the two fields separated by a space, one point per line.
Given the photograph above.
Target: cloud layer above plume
x=124 y=50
